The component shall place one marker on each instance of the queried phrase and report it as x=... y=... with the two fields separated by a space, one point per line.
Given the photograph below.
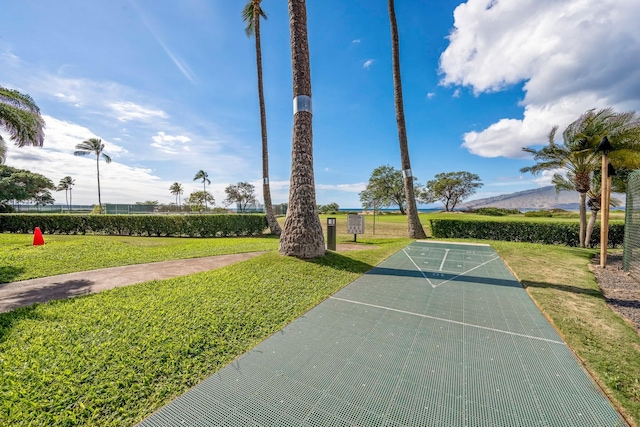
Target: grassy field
x=110 y=359
x=115 y=357
x=19 y=260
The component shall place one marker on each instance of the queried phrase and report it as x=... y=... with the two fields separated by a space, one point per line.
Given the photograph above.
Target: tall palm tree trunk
x=274 y=227
x=98 y=169
x=583 y=219
x=302 y=234
x=413 y=220
x=66 y=197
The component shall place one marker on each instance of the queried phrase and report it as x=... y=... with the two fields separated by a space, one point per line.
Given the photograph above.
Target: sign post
x=355 y=225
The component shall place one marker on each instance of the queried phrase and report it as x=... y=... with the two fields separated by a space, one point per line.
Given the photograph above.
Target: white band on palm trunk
x=407 y=173
x=302 y=103
x=265 y=181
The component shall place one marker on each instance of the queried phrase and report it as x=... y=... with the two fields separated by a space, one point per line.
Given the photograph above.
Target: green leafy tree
x=385 y=188
x=242 y=194
x=20 y=117
x=177 y=190
x=576 y=155
x=415 y=229
x=331 y=207
x=65 y=185
x=94 y=146
x=302 y=235
x=251 y=15
x=451 y=188
x=198 y=200
x=19 y=185
x=202 y=175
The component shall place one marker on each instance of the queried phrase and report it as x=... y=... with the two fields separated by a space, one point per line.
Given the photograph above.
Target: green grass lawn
x=114 y=357
x=19 y=260
x=559 y=281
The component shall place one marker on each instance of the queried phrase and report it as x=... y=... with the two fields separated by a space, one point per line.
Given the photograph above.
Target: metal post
x=331 y=234
x=604 y=211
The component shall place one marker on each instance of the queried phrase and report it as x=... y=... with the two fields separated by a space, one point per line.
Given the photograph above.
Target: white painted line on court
x=446 y=252
x=468 y=271
x=441 y=265
x=419 y=269
x=448 y=320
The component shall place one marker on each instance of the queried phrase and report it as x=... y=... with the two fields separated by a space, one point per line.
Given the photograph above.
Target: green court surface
x=439 y=334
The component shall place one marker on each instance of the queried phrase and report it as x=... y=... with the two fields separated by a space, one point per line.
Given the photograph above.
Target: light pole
x=604 y=146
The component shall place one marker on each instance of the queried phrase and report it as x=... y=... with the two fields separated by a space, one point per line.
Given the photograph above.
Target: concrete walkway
x=28 y=292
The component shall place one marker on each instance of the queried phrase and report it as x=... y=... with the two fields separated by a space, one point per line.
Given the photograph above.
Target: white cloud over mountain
x=573 y=55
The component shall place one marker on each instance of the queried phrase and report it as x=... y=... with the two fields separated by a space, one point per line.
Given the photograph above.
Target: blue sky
x=170 y=87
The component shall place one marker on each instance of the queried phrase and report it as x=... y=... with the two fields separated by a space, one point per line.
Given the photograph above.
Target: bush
x=550 y=233
x=538 y=214
x=137 y=225
x=491 y=211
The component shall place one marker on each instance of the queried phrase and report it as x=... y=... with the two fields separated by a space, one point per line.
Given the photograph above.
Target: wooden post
x=604 y=211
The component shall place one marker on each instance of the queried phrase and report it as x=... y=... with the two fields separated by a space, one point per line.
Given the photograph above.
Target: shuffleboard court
x=439 y=334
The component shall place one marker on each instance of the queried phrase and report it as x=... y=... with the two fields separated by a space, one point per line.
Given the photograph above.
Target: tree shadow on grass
x=563 y=288
x=9 y=273
x=340 y=262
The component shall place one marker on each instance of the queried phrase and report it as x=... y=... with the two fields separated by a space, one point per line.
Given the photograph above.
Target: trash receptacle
x=331 y=234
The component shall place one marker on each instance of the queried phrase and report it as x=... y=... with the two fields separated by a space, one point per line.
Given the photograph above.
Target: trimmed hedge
x=550 y=233
x=137 y=225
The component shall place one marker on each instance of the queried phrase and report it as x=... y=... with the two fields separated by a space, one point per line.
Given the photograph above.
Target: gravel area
x=621 y=291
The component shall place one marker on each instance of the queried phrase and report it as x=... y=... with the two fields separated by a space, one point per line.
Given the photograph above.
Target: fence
x=631 y=260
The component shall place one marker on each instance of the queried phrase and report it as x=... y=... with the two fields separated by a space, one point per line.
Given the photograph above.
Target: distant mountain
x=539 y=198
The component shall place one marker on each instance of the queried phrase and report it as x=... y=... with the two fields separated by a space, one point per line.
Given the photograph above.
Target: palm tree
x=205 y=180
x=577 y=156
x=65 y=184
x=93 y=146
x=302 y=233
x=251 y=14
x=177 y=190
x=20 y=116
x=413 y=220
x=3 y=151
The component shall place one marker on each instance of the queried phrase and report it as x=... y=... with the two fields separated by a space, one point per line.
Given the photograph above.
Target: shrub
x=538 y=214
x=550 y=233
x=491 y=211
x=137 y=225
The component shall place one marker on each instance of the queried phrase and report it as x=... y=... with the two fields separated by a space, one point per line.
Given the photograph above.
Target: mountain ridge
x=537 y=198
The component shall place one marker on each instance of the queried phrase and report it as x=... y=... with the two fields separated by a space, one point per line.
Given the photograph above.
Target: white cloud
x=168 y=143
x=356 y=41
x=368 y=63
x=126 y=111
x=349 y=188
x=456 y=93
x=430 y=95
x=572 y=55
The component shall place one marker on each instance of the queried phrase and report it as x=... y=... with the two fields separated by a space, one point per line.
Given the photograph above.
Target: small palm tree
x=414 y=225
x=576 y=154
x=93 y=146
x=202 y=175
x=20 y=116
x=251 y=14
x=177 y=190
x=65 y=184
x=3 y=151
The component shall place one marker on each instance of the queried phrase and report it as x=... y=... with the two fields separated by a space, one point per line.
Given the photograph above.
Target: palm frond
x=250 y=13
